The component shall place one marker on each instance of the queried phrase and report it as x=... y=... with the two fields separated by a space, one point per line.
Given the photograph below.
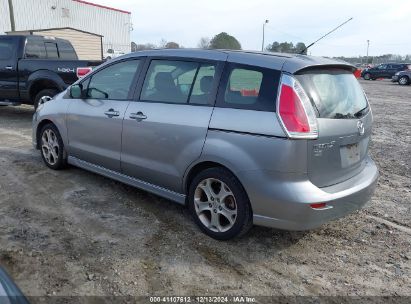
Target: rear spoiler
x=301 y=63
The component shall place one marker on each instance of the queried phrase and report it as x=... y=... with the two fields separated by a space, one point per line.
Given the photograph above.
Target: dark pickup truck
x=35 y=68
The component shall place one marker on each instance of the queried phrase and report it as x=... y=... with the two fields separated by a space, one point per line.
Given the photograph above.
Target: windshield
x=335 y=93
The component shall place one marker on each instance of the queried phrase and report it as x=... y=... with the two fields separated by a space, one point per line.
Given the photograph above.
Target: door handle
x=139 y=116
x=9 y=68
x=111 y=113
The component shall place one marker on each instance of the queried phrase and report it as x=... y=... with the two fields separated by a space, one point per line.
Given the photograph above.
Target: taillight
x=81 y=72
x=295 y=110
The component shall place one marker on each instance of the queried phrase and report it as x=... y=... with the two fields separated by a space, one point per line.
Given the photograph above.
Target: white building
x=56 y=16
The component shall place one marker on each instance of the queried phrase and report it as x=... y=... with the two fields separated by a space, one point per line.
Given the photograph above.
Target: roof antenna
x=333 y=30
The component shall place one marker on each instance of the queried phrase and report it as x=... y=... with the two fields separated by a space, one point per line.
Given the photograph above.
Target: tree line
x=222 y=41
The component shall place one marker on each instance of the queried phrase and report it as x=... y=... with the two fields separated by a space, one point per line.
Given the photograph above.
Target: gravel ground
x=73 y=233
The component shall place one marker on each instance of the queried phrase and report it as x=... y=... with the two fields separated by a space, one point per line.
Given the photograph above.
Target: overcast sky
x=386 y=23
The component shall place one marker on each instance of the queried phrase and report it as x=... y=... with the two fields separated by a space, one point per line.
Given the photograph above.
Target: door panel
x=159 y=148
x=95 y=123
x=94 y=134
x=8 y=69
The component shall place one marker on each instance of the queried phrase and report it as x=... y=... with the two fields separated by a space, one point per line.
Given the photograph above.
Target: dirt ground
x=72 y=233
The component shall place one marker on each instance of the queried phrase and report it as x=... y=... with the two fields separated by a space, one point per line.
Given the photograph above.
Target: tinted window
x=113 y=82
x=169 y=81
x=6 y=49
x=203 y=85
x=35 y=49
x=66 y=51
x=382 y=67
x=335 y=93
x=250 y=88
x=51 y=50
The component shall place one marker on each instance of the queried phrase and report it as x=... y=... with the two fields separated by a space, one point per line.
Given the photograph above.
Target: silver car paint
x=92 y=135
x=160 y=148
x=273 y=169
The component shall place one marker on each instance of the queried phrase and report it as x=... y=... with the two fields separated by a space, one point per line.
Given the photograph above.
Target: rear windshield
x=335 y=93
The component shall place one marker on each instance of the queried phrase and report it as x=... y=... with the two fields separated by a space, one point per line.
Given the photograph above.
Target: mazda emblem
x=360 y=127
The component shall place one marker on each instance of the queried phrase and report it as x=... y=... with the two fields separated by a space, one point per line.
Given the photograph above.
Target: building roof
x=102 y=6
x=51 y=29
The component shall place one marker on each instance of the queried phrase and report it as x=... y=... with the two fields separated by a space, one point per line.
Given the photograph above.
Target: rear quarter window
x=250 y=88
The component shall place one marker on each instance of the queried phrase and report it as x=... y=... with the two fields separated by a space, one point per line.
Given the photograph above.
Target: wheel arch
x=40 y=126
x=203 y=165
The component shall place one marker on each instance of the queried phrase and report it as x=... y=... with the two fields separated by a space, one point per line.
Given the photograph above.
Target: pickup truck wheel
x=403 y=80
x=43 y=96
x=52 y=147
x=367 y=76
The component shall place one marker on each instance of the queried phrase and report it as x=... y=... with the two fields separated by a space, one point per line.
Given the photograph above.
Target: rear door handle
x=9 y=68
x=111 y=113
x=138 y=116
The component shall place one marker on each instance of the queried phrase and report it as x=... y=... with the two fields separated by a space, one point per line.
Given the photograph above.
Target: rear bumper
x=286 y=204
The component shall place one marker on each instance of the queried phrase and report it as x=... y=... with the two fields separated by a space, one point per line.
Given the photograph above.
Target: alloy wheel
x=50 y=147
x=215 y=205
x=403 y=81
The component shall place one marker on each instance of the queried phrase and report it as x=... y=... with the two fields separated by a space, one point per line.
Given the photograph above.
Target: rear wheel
x=367 y=76
x=52 y=147
x=404 y=80
x=43 y=96
x=219 y=204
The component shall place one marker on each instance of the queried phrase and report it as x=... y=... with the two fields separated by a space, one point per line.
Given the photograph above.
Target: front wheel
x=367 y=76
x=219 y=204
x=404 y=80
x=52 y=147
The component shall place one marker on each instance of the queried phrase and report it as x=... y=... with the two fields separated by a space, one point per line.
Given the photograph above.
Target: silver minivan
x=239 y=137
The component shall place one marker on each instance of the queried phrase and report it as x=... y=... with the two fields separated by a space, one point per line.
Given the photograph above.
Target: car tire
x=220 y=215
x=367 y=76
x=44 y=96
x=403 y=80
x=52 y=147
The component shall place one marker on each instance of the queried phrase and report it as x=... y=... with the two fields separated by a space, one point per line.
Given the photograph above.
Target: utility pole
x=262 y=45
x=11 y=12
x=368 y=47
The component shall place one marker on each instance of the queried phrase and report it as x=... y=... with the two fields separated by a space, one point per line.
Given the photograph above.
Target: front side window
x=6 y=49
x=113 y=82
x=251 y=88
x=382 y=67
x=179 y=82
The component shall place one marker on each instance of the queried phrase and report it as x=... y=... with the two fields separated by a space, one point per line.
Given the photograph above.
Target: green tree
x=300 y=48
x=286 y=47
x=172 y=45
x=225 y=41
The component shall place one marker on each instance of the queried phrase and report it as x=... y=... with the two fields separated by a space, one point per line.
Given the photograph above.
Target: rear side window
x=7 y=48
x=51 y=50
x=335 y=93
x=179 y=82
x=250 y=88
x=35 y=49
x=66 y=51
x=113 y=82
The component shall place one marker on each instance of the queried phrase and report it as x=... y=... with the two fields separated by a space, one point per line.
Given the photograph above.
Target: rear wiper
x=342 y=116
x=361 y=112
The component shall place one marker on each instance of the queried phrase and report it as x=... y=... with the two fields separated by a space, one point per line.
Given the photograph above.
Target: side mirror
x=76 y=91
